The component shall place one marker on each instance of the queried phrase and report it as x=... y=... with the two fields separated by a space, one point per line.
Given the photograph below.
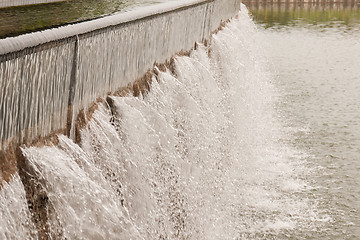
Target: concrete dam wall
x=48 y=77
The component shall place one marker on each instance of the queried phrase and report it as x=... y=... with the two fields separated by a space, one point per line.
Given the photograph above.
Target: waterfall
x=202 y=155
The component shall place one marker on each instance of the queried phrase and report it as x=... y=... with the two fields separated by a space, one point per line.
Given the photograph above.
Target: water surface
x=315 y=52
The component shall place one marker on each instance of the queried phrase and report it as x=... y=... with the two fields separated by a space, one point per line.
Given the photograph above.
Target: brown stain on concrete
x=124 y=91
x=8 y=165
x=207 y=43
x=143 y=84
x=83 y=117
x=222 y=26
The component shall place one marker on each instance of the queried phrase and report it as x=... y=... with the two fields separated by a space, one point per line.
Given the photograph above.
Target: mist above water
x=203 y=155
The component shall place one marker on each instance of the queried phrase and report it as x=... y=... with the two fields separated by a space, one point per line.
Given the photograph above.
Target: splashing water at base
x=202 y=156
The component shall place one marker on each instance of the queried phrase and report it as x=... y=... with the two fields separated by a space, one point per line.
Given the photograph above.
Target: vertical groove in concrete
x=72 y=89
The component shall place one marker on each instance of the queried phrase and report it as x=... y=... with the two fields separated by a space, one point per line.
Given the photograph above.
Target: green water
x=309 y=15
x=25 y=19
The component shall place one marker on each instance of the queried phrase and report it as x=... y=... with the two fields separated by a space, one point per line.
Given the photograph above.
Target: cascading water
x=201 y=156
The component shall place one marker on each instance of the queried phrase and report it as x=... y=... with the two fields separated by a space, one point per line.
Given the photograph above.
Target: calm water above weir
x=315 y=52
x=24 y=19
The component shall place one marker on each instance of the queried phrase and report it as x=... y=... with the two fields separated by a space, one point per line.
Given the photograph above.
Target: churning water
x=205 y=154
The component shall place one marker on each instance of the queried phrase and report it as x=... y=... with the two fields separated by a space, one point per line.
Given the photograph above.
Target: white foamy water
x=202 y=156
